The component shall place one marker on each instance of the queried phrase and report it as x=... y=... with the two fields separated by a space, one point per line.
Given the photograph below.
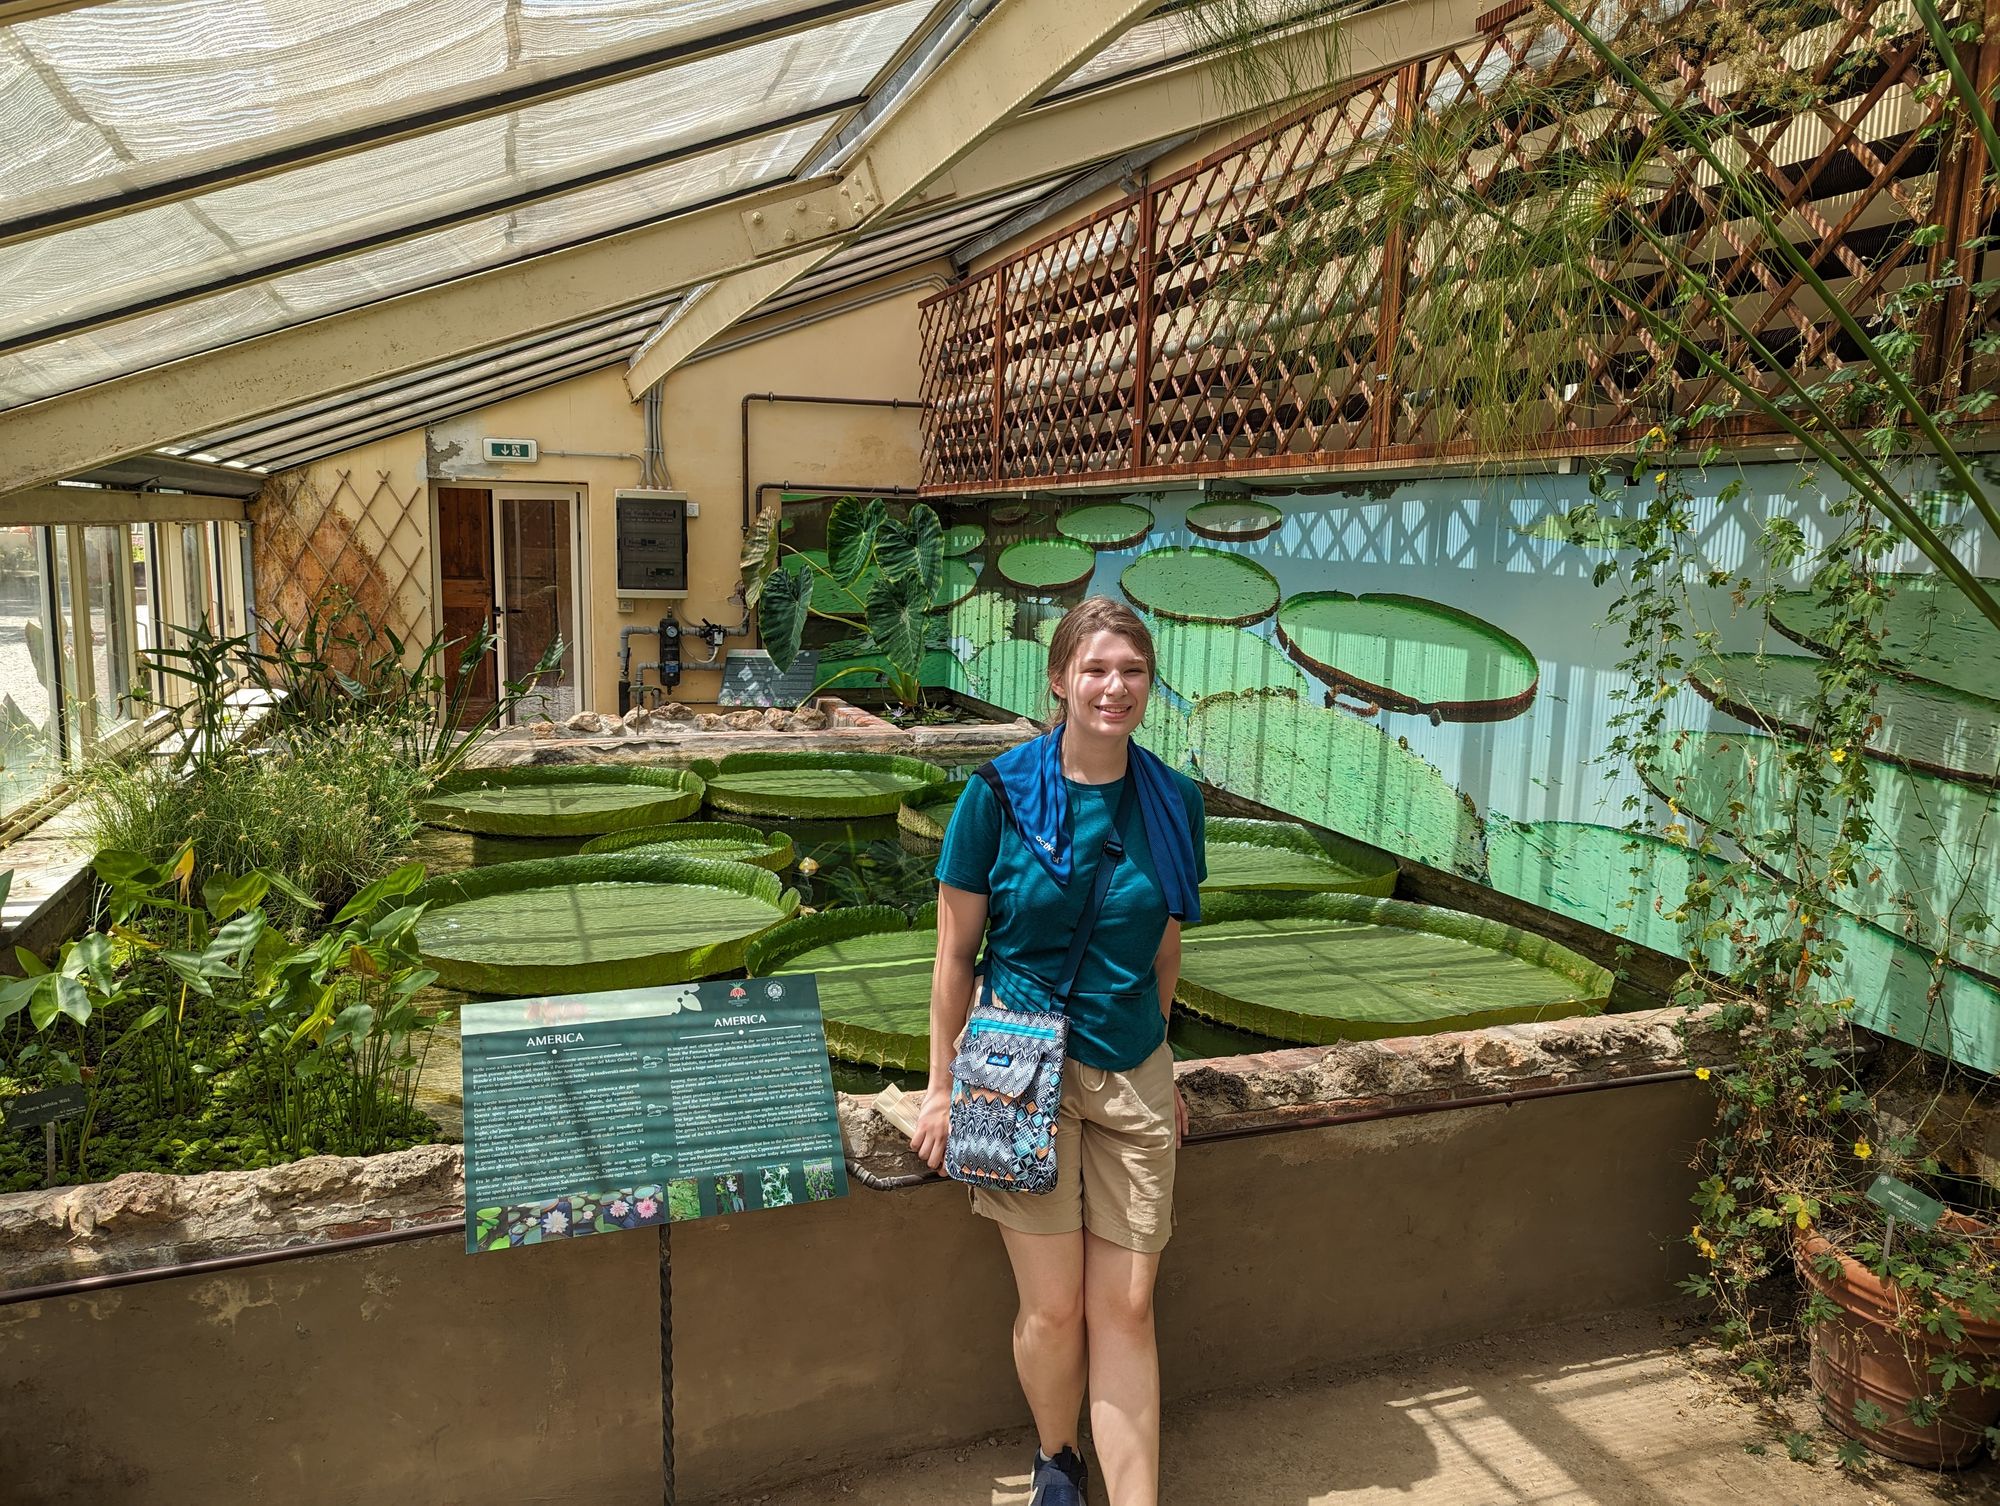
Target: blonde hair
x=1095 y=614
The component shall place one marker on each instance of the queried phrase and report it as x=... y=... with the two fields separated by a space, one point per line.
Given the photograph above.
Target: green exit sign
x=513 y=449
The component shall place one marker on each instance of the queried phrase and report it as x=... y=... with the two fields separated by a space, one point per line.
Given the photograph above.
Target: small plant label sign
x=26 y=1110
x=1899 y=1199
x=591 y=1113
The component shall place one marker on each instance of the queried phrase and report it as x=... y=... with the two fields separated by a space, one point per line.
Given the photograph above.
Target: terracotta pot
x=1862 y=1356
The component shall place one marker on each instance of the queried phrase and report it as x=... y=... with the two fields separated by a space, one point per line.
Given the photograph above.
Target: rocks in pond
x=808 y=719
x=543 y=732
x=674 y=711
x=746 y=721
x=708 y=721
x=777 y=719
x=593 y=724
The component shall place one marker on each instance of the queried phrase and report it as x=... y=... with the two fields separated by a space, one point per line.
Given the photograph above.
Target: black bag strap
x=1086 y=921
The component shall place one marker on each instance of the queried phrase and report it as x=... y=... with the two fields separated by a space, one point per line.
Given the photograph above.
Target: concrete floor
x=1609 y=1413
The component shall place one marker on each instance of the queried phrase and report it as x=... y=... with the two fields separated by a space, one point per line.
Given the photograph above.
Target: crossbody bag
x=1006 y=1081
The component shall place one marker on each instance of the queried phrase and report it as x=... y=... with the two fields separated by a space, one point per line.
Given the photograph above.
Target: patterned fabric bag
x=1006 y=1081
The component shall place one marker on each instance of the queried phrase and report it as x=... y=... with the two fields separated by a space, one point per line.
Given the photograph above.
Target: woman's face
x=1104 y=687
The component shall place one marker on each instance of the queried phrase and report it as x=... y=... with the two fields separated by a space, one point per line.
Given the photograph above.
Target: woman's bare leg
x=1124 y=1363
x=1048 y=1330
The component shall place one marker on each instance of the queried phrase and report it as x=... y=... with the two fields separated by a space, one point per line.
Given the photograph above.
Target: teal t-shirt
x=1114 y=1012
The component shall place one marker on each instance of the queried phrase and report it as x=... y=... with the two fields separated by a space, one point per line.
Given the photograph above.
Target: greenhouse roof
x=260 y=231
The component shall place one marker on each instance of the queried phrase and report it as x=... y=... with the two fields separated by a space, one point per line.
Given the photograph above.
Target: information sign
x=26 y=1110
x=1899 y=1199
x=598 y=1112
x=749 y=678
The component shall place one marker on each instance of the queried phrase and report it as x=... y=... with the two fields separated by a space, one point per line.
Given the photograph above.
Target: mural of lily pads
x=1164 y=732
x=1234 y=520
x=1929 y=629
x=1106 y=525
x=728 y=841
x=1201 y=659
x=561 y=800
x=922 y=820
x=1407 y=654
x=1586 y=527
x=964 y=538
x=1046 y=565
x=1198 y=584
x=1927 y=726
x=956 y=581
x=982 y=618
x=609 y=920
x=1014 y=675
x=1263 y=963
x=1337 y=771
x=829 y=595
x=1930 y=871
x=874 y=978
x=808 y=785
x=1007 y=514
x=1258 y=857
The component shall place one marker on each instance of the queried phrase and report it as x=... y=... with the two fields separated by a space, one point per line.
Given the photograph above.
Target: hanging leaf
x=913 y=546
x=851 y=526
x=759 y=557
x=225 y=896
x=781 y=613
x=896 y=621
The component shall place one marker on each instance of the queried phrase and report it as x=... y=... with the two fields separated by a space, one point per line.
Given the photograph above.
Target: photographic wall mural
x=1428 y=667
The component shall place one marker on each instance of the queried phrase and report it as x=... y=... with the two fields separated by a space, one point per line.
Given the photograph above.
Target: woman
x=1084 y=1255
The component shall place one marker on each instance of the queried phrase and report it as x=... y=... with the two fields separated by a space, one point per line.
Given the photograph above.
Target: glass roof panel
x=148 y=340
x=307 y=211
x=114 y=95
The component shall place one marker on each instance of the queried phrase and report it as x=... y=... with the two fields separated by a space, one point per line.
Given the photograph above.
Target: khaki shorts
x=1114 y=1160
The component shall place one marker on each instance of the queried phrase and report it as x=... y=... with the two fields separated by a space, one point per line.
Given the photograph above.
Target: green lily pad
x=1338 y=771
x=1201 y=659
x=609 y=920
x=1264 y=964
x=1007 y=514
x=1925 y=725
x=1929 y=871
x=982 y=618
x=955 y=582
x=1046 y=565
x=1930 y=629
x=964 y=538
x=1106 y=525
x=874 y=979
x=1164 y=731
x=1265 y=856
x=727 y=841
x=922 y=821
x=1013 y=674
x=1198 y=584
x=560 y=800
x=805 y=785
x=1407 y=654
x=1234 y=520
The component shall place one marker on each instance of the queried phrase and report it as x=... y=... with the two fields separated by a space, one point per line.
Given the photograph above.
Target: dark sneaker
x=1059 y=1481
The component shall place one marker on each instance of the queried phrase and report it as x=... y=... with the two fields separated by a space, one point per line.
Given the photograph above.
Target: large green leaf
x=730 y=841
x=561 y=800
x=759 y=557
x=610 y=920
x=805 y=785
x=874 y=978
x=1268 y=856
x=923 y=818
x=896 y=608
x=913 y=546
x=781 y=612
x=1319 y=968
x=851 y=527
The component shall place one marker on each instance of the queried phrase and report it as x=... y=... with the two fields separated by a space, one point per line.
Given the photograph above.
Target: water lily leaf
x=806 y=785
x=561 y=800
x=874 y=979
x=781 y=612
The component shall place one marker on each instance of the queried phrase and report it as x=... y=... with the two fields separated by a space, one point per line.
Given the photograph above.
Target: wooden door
x=465 y=584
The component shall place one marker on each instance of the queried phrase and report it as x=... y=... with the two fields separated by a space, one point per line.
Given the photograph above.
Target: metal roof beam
x=1027 y=42
x=101 y=504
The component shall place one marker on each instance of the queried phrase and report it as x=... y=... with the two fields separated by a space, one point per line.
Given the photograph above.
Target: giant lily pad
x=1929 y=628
x=1407 y=654
x=1329 y=967
x=1199 y=584
x=1234 y=520
x=804 y=785
x=1201 y=659
x=608 y=920
x=729 y=841
x=1929 y=870
x=1106 y=525
x=923 y=819
x=964 y=538
x=561 y=800
x=1338 y=771
x=983 y=618
x=1265 y=856
x=1013 y=674
x=1047 y=565
x=874 y=978
x=955 y=582
x=1926 y=726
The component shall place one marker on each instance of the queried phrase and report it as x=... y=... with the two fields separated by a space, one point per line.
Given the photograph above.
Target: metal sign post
x=667 y=1363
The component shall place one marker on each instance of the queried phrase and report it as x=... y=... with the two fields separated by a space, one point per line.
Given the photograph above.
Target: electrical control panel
x=652 y=543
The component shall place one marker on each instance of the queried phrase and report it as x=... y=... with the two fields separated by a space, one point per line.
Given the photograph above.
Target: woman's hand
x=933 y=1124
x=1180 y=1117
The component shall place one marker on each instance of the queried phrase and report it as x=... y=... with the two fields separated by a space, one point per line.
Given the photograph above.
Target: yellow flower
x=1656 y=433
x=1863 y=1149
x=1839 y=755
x=1702 y=1073
x=1659 y=478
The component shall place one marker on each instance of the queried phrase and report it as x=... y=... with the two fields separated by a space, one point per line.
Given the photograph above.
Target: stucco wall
x=824 y=1334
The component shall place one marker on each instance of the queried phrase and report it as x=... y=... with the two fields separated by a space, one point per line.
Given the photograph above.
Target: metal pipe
x=794 y=397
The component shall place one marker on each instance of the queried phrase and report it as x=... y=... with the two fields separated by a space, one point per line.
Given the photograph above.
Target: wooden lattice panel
x=356 y=555
x=1335 y=291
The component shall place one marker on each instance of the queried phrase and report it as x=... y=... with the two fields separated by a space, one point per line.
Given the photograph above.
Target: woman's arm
x=1167 y=970
x=961 y=927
